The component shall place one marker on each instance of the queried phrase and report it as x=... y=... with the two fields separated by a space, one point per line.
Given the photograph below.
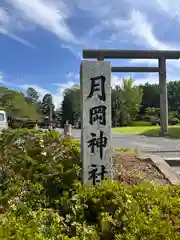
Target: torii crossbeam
x=161 y=56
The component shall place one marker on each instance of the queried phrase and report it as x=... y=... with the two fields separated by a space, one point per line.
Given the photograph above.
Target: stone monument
x=67 y=129
x=96 y=121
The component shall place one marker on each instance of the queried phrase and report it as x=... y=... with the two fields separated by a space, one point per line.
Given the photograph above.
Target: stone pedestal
x=67 y=129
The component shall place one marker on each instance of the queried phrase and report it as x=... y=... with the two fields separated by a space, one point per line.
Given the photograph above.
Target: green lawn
x=174 y=131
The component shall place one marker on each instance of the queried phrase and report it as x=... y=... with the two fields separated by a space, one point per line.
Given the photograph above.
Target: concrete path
x=168 y=149
x=149 y=144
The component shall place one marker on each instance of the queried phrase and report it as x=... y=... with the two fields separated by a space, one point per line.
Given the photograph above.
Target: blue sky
x=41 y=41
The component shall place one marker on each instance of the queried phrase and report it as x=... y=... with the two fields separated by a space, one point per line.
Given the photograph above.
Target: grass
x=125 y=151
x=174 y=131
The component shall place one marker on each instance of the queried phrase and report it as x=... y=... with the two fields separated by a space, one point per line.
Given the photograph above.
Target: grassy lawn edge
x=174 y=131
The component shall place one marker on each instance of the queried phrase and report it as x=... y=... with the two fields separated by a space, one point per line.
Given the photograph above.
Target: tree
x=126 y=101
x=58 y=115
x=47 y=106
x=71 y=105
x=116 y=106
x=151 y=96
x=32 y=95
x=16 y=106
x=174 y=95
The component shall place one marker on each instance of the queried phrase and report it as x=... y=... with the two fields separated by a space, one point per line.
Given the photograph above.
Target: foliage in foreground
x=41 y=197
x=108 y=211
x=37 y=165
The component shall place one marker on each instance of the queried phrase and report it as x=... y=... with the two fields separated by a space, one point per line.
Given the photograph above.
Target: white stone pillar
x=96 y=121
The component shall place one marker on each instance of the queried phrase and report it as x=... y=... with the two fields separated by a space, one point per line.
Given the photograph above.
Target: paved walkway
x=150 y=144
x=164 y=147
x=156 y=145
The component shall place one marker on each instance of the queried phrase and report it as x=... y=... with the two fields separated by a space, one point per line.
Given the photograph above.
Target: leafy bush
x=173 y=114
x=151 y=111
x=140 y=123
x=22 y=123
x=37 y=163
x=43 y=224
x=41 y=196
x=155 y=120
x=119 y=212
x=174 y=121
x=107 y=211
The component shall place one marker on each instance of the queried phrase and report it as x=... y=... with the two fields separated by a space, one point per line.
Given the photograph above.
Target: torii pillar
x=163 y=97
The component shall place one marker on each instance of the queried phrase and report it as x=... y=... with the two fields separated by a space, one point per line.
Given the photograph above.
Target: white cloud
x=2 y=78
x=115 y=80
x=39 y=89
x=4 y=16
x=130 y=23
x=151 y=78
x=142 y=32
x=73 y=50
x=138 y=27
x=98 y=8
x=172 y=68
x=72 y=75
x=48 y=14
x=6 y=22
x=135 y=26
x=144 y=62
x=168 y=6
x=18 y=39
x=154 y=77
x=143 y=29
x=57 y=95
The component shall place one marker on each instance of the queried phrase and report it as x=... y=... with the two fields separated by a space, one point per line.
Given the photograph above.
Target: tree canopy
x=71 y=105
x=15 y=104
x=47 y=105
x=32 y=95
x=25 y=106
x=129 y=102
x=126 y=100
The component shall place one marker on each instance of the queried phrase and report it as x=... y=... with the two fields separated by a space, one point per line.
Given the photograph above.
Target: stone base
x=161 y=134
x=163 y=167
x=67 y=130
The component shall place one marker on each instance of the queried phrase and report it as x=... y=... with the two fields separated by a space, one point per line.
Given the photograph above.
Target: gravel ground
x=132 y=170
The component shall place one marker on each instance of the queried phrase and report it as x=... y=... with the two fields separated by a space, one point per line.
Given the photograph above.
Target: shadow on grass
x=173 y=132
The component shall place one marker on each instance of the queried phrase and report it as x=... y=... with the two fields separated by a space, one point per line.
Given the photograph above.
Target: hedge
x=140 y=123
x=42 y=198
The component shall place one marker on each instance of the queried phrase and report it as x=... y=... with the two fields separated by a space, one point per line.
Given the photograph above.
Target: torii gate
x=161 y=56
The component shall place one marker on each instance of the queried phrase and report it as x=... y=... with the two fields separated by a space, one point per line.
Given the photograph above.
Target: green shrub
x=43 y=224
x=151 y=111
x=174 y=121
x=140 y=123
x=30 y=124
x=121 y=212
x=107 y=211
x=22 y=123
x=154 y=120
x=37 y=163
x=16 y=124
x=146 y=118
x=41 y=196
